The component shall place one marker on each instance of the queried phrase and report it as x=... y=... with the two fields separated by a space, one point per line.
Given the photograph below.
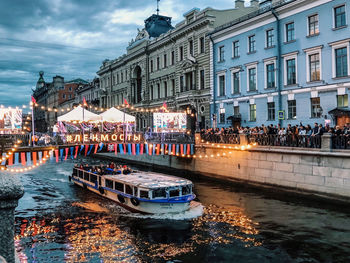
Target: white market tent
x=79 y=114
x=114 y=115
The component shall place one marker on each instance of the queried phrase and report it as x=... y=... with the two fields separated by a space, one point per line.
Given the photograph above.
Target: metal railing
x=221 y=138
x=169 y=138
x=341 y=141
x=288 y=140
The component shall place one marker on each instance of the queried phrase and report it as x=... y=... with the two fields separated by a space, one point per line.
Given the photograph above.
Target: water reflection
x=58 y=222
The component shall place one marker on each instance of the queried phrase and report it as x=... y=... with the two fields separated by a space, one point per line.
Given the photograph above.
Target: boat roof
x=149 y=180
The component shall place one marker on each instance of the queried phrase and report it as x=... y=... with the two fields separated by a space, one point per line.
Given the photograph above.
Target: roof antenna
x=158 y=7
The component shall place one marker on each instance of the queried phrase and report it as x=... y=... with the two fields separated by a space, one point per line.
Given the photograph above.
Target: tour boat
x=141 y=192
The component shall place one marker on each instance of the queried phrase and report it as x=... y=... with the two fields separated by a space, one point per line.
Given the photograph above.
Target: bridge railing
x=288 y=140
x=341 y=141
x=169 y=138
x=221 y=138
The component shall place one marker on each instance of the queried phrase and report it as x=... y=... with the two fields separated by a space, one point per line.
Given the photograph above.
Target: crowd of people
x=110 y=169
x=316 y=130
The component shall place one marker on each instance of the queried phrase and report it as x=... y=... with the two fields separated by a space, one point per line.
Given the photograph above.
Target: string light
x=21 y=170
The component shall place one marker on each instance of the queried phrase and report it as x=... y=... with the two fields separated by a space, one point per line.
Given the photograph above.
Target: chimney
x=254 y=3
x=239 y=4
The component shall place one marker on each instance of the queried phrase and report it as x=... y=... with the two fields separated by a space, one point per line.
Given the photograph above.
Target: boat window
x=93 y=178
x=158 y=193
x=143 y=194
x=186 y=190
x=128 y=189
x=81 y=174
x=86 y=176
x=119 y=186
x=135 y=191
x=174 y=192
x=109 y=183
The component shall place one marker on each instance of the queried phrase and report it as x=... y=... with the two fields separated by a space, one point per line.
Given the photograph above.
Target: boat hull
x=141 y=207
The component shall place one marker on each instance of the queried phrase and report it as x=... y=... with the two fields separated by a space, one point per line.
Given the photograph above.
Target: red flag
x=126 y=102
x=33 y=100
x=164 y=105
x=84 y=102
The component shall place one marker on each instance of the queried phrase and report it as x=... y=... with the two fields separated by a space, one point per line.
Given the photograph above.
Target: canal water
x=59 y=222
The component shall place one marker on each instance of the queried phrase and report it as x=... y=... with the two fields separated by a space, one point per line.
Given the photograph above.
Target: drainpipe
x=212 y=72
x=280 y=83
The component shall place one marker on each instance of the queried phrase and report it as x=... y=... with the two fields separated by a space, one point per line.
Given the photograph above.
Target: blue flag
x=101 y=147
x=81 y=148
x=162 y=149
x=121 y=148
x=91 y=146
x=169 y=149
x=61 y=154
x=129 y=149
x=177 y=148
x=185 y=146
x=29 y=159
x=16 y=158
x=137 y=149
x=154 y=149
x=72 y=153
x=192 y=149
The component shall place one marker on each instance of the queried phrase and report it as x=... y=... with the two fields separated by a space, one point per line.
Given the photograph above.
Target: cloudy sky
x=71 y=37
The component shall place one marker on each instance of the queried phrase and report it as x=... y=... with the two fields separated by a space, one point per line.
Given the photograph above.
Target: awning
x=340 y=112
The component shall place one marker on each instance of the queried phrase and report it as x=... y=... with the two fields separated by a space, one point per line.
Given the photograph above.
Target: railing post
x=326 y=142
x=10 y=191
x=198 y=139
x=243 y=139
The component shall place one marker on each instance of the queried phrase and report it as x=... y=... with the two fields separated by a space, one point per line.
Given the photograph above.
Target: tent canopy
x=79 y=114
x=114 y=115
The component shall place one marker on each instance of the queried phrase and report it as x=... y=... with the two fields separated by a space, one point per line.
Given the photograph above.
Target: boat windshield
x=186 y=190
x=159 y=193
x=144 y=194
x=174 y=192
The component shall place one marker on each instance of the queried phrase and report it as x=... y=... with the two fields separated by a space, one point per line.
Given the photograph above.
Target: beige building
x=166 y=64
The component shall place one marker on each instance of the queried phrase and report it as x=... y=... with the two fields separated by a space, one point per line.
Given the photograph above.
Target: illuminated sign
x=10 y=119
x=101 y=137
x=171 y=121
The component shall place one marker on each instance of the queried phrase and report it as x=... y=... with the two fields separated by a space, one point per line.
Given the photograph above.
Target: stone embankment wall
x=326 y=173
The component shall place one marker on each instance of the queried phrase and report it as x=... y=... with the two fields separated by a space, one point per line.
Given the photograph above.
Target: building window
x=269 y=38
x=172 y=57
x=222 y=115
x=118 y=74
x=173 y=87
x=222 y=85
x=290 y=32
x=315 y=108
x=202 y=79
x=158 y=90
x=236 y=111
x=63 y=96
x=165 y=89
x=151 y=65
x=152 y=92
x=70 y=96
x=291 y=72
x=158 y=63
x=235 y=79
x=313 y=25
x=270 y=76
x=292 y=109
x=201 y=45
x=181 y=83
x=252 y=112
x=339 y=16
x=314 y=67
x=235 y=47
x=70 y=88
x=251 y=44
x=342 y=101
x=341 y=62
x=252 y=79
x=190 y=47
x=221 y=53
x=270 y=111
x=181 y=51
x=165 y=62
